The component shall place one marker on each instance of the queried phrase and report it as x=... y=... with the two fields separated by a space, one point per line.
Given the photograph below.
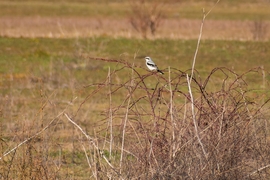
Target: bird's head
x=147 y=58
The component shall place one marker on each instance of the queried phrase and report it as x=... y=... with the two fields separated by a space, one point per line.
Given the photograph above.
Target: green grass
x=20 y=55
x=227 y=10
x=28 y=65
x=51 y=9
x=56 y=67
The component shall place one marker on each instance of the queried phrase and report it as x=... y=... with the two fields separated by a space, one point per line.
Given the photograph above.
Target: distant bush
x=259 y=30
x=146 y=17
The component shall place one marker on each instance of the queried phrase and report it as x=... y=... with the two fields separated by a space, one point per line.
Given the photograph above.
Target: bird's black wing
x=151 y=64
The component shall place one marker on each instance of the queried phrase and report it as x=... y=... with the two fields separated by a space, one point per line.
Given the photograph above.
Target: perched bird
x=151 y=65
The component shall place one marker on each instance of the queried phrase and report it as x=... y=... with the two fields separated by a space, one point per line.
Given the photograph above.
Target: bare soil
x=87 y=27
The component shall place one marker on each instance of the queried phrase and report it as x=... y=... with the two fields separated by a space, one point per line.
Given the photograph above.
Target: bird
x=151 y=65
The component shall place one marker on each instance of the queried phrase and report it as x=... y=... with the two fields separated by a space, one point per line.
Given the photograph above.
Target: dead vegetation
x=91 y=27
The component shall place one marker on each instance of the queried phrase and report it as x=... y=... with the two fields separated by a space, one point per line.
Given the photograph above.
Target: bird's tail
x=160 y=71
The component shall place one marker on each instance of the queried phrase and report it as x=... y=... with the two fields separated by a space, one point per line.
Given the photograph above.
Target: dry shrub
x=155 y=123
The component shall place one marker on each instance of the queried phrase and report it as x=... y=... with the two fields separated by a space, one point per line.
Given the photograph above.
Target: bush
x=157 y=139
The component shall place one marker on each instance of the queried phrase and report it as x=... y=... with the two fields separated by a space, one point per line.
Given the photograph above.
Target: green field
x=28 y=55
x=89 y=109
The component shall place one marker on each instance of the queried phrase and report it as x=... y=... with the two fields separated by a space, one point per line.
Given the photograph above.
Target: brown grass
x=87 y=27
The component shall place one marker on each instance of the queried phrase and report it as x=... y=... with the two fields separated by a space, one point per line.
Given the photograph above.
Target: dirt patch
x=88 y=27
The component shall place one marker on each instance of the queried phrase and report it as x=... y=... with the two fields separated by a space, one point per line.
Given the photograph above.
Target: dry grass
x=87 y=27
